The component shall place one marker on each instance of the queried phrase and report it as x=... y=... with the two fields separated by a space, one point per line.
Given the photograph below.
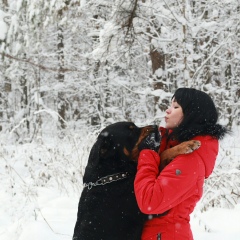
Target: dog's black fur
x=110 y=211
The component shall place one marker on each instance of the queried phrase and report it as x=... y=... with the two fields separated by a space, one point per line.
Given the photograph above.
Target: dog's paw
x=192 y=145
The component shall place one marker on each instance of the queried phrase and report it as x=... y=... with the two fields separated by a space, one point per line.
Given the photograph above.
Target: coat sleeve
x=157 y=193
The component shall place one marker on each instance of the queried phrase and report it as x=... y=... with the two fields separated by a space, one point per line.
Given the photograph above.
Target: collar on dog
x=107 y=179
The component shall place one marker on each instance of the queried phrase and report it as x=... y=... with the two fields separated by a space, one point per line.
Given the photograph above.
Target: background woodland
x=89 y=63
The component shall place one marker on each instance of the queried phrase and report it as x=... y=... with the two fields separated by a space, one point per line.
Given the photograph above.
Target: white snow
x=3 y=25
x=58 y=215
x=222 y=224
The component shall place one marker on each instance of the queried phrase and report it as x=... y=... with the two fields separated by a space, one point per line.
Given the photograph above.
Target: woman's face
x=174 y=115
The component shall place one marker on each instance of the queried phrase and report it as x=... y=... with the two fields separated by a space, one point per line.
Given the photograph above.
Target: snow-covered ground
x=55 y=217
x=224 y=224
x=40 y=190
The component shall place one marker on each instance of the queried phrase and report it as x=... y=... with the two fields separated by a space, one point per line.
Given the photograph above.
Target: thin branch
x=50 y=225
x=38 y=65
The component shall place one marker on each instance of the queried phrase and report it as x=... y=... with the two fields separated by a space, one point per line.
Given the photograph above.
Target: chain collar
x=107 y=179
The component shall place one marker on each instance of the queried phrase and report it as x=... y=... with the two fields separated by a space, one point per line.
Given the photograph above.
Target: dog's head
x=121 y=140
x=116 y=149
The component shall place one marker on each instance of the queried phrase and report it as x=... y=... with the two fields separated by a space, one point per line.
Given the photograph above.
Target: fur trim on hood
x=216 y=131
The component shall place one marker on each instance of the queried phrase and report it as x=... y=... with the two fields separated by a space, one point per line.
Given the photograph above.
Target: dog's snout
x=150 y=129
x=155 y=127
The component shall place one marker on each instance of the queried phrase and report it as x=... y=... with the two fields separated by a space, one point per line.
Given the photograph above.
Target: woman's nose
x=168 y=111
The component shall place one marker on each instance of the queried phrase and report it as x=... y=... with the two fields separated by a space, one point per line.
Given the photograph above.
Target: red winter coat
x=177 y=188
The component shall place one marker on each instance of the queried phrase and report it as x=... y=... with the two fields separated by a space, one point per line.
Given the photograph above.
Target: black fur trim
x=216 y=131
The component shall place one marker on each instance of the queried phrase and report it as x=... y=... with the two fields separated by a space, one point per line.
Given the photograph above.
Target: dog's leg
x=183 y=148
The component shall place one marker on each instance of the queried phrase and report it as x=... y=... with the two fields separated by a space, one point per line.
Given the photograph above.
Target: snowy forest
x=71 y=67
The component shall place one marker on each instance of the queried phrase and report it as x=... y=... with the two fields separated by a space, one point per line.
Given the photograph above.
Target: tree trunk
x=158 y=62
x=61 y=103
x=24 y=97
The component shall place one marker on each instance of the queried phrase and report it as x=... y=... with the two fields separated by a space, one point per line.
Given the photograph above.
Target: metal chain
x=107 y=179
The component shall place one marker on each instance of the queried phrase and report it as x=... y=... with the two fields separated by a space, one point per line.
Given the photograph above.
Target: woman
x=179 y=186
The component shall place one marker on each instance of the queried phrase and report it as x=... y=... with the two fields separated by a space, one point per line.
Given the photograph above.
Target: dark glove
x=152 y=142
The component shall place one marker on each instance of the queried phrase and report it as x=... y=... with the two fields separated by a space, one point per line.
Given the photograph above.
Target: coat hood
x=208 y=152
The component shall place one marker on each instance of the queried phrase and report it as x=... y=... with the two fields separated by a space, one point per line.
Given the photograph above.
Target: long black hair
x=200 y=115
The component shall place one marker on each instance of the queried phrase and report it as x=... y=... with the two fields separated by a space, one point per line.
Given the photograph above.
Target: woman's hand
x=150 y=142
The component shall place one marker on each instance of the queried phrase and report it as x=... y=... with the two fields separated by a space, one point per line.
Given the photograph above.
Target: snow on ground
x=224 y=224
x=56 y=218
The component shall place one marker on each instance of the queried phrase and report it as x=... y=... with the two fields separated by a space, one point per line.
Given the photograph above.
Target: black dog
x=107 y=208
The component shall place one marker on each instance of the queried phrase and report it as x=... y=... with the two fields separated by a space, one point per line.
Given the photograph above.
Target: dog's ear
x=106 y=145
x=101 y=149
x=106 y=148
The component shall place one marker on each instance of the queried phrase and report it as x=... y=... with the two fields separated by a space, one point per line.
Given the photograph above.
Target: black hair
x=200 y=115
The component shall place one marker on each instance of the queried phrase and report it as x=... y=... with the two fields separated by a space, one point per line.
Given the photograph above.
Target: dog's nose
x=155 y=127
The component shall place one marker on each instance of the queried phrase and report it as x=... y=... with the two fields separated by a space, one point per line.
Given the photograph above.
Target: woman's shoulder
x=208 y=144
x=206 y=138
x=208 y=152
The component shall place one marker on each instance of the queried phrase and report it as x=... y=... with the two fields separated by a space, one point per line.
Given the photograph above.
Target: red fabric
x=177 y=188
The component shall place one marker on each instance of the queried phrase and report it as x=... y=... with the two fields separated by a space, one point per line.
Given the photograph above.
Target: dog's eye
x=131 y=127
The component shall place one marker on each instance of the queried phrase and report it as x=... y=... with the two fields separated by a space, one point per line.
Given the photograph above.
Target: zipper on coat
x=159 y=236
